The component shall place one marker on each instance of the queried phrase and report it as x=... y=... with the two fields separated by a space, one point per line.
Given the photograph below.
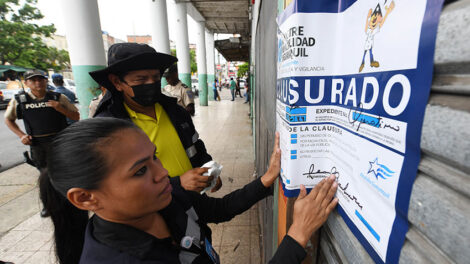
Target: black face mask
x=147 y=94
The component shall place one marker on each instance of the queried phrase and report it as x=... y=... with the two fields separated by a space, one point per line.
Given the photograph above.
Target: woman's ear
x=83 y=199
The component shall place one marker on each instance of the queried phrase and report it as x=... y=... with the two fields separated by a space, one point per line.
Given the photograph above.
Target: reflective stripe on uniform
x=187 y=257
x=193 y=231
x=192 y=213
x=191 y=151
x=195 y=137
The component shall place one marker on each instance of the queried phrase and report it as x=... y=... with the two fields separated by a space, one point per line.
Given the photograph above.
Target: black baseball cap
x=32 y=73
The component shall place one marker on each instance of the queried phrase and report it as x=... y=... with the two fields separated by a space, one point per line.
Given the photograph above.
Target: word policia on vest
x=36 y=105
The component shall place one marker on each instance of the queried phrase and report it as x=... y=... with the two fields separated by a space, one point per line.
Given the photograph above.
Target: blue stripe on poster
x=372 y=231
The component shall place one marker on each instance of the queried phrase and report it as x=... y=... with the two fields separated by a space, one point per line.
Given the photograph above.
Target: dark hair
x=75 y=160
x=171 y=70
x=58 y=81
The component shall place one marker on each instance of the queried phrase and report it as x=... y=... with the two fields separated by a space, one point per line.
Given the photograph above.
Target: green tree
x=243 y=69
x=192 y=58
x=21 y=40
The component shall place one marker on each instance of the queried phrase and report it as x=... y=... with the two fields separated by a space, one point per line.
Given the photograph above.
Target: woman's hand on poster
x=311 y=210
x=274 y=164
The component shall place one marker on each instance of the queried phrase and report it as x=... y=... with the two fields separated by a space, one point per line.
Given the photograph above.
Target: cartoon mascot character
x=374 y=22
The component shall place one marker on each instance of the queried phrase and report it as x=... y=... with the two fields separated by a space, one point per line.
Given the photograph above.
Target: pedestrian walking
x=238 y=89
x=132 y=79
x=44 y=114
x=214 y=89
x=248 y=91
x=233 y=87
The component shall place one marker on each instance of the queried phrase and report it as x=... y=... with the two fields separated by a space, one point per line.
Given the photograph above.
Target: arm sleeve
x=92 y=108
x=10 y=113
x=187 y=96
x=203 y=156
x=65 y=102
x=74 y=98
x=289 y=252
x=175 y=180
x=216 y=210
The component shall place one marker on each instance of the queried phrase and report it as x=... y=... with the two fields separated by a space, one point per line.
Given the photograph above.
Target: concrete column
x=210 y=63
x=159 y=25
x=220 y=71
x=201 y=62
x=85 y=44
x=159 y=28
x=182 y=44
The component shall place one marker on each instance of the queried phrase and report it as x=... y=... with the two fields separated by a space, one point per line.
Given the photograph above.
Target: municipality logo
x=380 y=170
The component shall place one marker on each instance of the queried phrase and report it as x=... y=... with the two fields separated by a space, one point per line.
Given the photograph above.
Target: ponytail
x=69 y=221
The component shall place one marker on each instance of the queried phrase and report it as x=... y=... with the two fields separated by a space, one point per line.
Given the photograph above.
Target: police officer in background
x=44 y=114
x=176 y=88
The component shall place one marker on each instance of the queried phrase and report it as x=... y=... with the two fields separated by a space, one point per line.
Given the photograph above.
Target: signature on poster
x=361 y=118
x=312 y=174
x=342 y=186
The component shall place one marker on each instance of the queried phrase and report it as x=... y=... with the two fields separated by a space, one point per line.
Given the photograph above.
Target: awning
x=234 y=50
x=4 y=68
x=225 y=17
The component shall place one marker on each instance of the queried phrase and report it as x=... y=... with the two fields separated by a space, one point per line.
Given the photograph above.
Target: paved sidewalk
x=224 y=126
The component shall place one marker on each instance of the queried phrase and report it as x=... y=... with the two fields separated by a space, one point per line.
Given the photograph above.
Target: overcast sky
x=118 y=17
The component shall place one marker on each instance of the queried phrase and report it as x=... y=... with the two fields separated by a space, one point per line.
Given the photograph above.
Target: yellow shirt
x=163 y=135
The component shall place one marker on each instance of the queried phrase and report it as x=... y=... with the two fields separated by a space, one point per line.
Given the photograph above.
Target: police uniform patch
x=190 y=94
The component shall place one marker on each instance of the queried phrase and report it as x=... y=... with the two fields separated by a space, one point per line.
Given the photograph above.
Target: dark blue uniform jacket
x=187 y=215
